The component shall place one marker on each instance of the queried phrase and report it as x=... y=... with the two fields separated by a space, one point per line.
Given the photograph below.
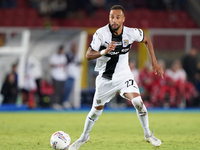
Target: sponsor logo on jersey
x=118 y=43
x=125 y=50
x=125 y=43
x=113 y=53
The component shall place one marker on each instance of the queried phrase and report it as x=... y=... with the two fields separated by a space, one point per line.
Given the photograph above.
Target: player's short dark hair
x=118 y=7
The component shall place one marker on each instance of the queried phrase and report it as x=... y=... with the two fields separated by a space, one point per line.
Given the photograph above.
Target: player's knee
x=138 y=104
x=94 y=114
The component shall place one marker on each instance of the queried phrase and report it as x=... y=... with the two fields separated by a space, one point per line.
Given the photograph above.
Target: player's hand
x=110 y=47
x=157 y=70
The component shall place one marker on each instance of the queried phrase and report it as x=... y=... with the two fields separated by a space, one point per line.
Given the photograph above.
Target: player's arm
x=92 y=54
x=156 y=68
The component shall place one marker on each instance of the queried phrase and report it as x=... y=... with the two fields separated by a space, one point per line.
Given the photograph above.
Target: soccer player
x=110 y=46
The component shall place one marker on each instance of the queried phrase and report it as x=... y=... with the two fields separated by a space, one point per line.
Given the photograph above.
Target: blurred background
x=43 y=45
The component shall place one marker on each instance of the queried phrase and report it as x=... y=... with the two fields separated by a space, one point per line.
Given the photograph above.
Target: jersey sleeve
x=96 y=41
x=138 y=34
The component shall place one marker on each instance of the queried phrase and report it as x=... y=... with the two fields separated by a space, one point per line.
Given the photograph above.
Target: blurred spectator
x=73 y=73
x=35 y=69
x=171 y=90
x=29 y=85
x=14 y=71
x=98 y=4
x=45 y=8
x=71 y=9
x=58 y=63
x=177 y=77
x=184 y=90
x=176 y=73
x=53 y=8
x=32 y=78
x=162 y=89
x=146 y=80
x=9 y=89
x=134 y=70
x=189 y=63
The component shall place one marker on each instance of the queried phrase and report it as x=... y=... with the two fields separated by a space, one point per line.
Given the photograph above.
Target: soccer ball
x=60 y=140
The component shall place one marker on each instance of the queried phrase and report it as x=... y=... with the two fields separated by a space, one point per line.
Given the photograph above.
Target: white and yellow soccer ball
x=60 y=140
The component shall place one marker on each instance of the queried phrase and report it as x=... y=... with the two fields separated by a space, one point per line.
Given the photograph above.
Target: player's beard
x=115 y=29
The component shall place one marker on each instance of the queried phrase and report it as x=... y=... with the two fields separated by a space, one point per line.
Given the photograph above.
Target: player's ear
x=124 y=18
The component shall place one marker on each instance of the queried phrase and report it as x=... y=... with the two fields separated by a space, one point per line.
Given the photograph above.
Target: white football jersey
x=115 y=63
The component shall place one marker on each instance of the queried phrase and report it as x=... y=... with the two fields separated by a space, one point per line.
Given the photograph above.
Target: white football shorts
x=107 y=89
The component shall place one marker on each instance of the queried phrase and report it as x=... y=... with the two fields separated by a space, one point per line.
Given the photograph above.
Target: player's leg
x=143 y=117
x=103 y=94
x=90 y=120
x=140 y=109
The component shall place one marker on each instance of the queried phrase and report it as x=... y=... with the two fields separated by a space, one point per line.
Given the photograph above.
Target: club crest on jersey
x=125 y=43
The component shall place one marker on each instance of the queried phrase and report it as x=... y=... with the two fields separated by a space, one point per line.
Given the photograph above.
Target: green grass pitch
x=113 y=130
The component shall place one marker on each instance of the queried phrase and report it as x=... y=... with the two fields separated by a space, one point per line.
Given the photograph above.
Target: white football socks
x=91 y=118
x=141 y=113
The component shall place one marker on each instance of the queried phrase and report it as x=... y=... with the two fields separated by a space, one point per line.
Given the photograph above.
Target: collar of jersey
x=112 y=31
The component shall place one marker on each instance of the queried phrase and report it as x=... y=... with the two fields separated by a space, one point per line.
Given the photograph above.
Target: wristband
x=103 y=52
